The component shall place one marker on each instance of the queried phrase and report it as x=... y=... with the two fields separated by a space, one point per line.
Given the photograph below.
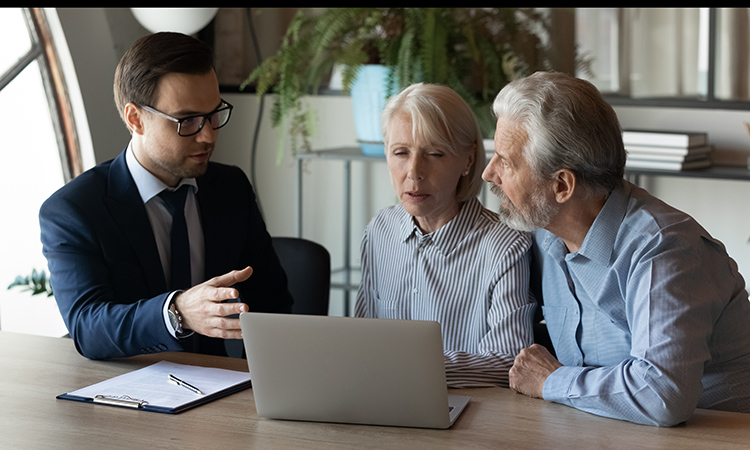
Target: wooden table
x=34 y=369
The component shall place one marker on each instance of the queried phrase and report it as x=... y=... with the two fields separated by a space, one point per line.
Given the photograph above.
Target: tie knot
x=175 y=199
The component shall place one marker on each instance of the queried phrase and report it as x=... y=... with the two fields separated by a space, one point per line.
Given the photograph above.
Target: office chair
x=541 y=333
x=308 y=269
x=541 y=336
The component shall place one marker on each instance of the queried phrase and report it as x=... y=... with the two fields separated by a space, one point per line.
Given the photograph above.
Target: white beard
x=538 y=214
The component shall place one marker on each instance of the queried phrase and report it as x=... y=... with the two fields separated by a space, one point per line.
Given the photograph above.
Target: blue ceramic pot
x=368 y=99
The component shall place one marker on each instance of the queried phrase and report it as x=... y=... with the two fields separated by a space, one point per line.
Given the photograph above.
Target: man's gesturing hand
x=530 y=370
x=203 y=312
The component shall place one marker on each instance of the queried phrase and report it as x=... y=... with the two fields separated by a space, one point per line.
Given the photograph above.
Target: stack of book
x=666 y=150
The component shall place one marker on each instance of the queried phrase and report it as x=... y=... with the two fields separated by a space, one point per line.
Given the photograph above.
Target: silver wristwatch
x=175 y=318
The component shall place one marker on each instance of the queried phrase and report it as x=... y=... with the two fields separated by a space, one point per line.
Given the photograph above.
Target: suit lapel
x=129 y=214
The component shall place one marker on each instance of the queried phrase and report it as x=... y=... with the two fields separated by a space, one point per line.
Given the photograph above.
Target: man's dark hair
x=153 y=56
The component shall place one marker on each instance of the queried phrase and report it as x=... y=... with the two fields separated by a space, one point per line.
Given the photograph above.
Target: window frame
x=708 y=102
x=61 y=113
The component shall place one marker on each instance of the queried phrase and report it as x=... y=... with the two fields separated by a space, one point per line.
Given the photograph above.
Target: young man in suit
x=120 y=281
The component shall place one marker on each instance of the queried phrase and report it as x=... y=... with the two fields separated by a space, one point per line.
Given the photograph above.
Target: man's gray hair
x=570 y=126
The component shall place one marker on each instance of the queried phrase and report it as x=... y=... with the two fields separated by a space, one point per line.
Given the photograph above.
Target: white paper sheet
x=150 y=384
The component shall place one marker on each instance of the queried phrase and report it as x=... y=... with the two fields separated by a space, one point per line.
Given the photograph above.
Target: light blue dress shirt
x=650 y=317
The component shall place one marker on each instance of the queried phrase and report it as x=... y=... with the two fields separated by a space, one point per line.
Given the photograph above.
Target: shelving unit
x=715 y=172
x=347 y=276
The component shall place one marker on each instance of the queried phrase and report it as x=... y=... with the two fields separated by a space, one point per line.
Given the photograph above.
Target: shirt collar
x=599 y=242
x=148 y=185
x=600 y=239
x=449 y=235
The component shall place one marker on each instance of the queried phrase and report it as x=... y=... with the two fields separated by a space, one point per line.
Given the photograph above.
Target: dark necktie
x=175 y=202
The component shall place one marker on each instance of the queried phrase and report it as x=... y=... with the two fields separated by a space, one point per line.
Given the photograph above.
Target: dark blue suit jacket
x=105 y=267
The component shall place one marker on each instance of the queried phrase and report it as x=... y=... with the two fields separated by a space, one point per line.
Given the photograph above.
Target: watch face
x=174 y=319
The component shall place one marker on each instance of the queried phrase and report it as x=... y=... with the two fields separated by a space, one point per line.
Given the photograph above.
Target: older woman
x=439 y=255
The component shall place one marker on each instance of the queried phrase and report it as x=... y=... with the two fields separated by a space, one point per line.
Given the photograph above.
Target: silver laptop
x=349 y=370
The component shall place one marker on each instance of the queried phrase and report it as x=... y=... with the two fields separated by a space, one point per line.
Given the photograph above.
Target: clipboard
x=149 y=389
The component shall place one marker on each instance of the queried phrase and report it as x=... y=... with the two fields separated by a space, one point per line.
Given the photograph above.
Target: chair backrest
x=308 y=268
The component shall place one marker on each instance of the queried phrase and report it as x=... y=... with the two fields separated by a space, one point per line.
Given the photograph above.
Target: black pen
x=174 y=380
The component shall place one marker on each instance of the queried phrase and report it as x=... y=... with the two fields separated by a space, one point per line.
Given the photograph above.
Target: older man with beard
x=647 y=313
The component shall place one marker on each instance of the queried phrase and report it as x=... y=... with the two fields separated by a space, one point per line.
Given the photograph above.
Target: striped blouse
x=471 y=276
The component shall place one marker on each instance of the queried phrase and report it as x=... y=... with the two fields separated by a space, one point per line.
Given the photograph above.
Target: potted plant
x=475 y=51
x=43 y=312
x=37 y=283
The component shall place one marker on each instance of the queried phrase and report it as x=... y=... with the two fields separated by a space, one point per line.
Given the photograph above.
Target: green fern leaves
x=475 y=51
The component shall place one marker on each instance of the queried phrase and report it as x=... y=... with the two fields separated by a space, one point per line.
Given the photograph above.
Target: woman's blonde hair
x=440 y=117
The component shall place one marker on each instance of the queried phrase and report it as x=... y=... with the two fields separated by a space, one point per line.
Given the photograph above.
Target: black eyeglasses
x=188 y=126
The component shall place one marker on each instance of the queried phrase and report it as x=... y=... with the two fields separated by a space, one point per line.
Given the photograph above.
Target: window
x=680 y=57
x=646 y=52
x=40 y=153
x=732 y=54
